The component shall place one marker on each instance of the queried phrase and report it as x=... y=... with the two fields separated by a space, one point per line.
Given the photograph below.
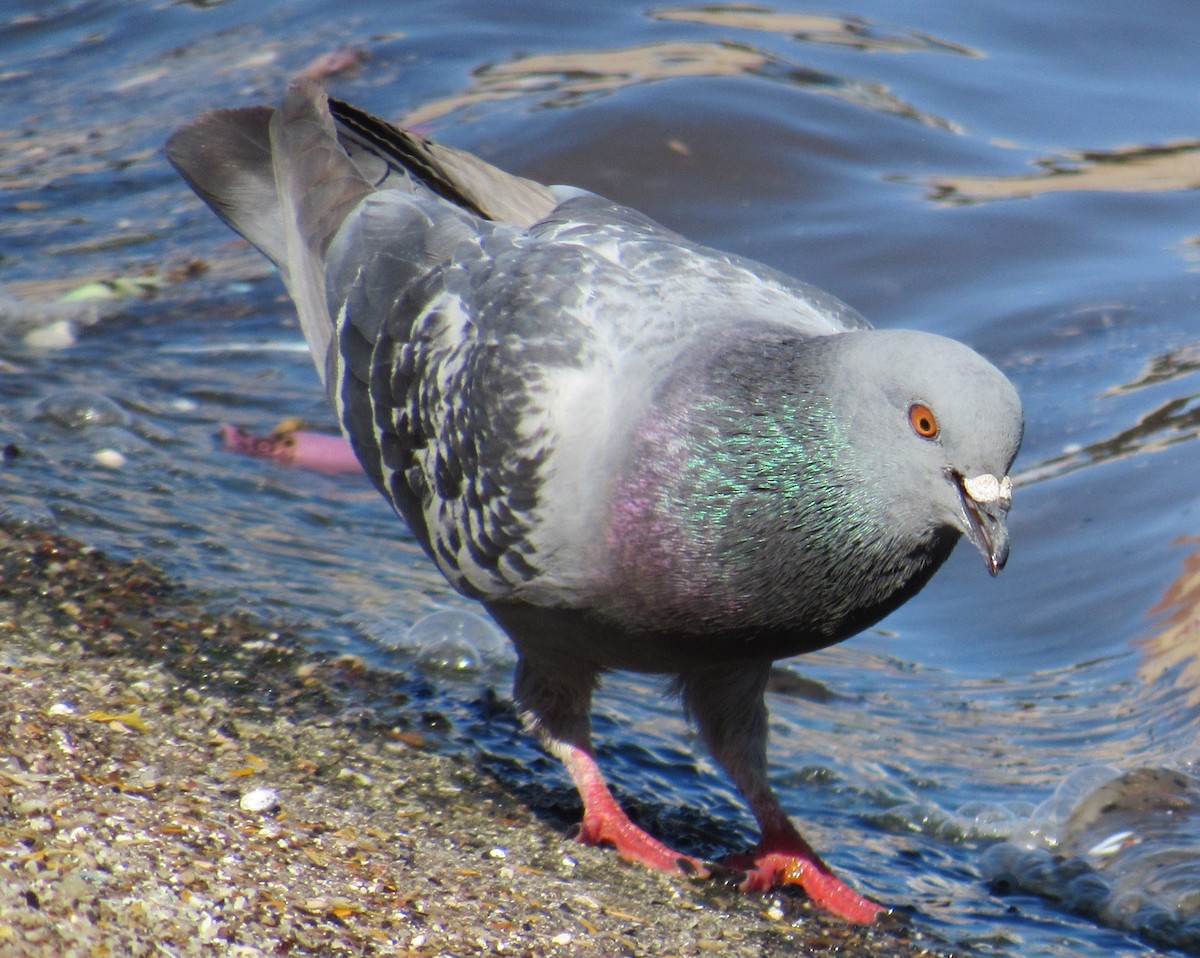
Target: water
x=1020 y=176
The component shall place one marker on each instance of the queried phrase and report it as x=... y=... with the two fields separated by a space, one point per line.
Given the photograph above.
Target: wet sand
x=174 y=781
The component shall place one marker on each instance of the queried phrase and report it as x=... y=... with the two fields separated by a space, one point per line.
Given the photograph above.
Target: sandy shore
x=174 y=782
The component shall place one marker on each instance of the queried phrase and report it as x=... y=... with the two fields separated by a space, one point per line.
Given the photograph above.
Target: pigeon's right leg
x=555 y=702
x=728 y=706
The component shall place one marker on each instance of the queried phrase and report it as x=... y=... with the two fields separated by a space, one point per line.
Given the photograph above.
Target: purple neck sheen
x=665 y=566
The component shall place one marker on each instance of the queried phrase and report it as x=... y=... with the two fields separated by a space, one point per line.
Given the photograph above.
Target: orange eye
x=923 y=421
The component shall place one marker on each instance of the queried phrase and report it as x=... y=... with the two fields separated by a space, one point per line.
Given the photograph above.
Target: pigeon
x=637 y=452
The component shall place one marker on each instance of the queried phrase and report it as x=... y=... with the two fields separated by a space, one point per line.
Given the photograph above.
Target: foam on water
x=1122 y=848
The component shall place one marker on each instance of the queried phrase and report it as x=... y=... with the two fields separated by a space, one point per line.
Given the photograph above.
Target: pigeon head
x=935 y=428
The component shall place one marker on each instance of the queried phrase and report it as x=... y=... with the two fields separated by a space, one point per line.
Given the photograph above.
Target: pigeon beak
x=985 y=503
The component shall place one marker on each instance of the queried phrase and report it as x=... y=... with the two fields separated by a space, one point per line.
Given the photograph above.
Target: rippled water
x=1021 y=176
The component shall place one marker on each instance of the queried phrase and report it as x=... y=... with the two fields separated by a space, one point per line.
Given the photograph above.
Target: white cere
x=987 y=488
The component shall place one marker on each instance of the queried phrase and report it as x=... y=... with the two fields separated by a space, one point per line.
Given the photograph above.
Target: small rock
x=358 y=778
x=75 y=887
x=261 y=799
x=57 y=335
x=109 y=458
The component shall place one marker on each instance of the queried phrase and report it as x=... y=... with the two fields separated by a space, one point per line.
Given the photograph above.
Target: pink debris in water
x=294 y=447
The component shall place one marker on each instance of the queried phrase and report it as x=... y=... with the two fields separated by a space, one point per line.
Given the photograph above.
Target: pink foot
x=788 y=860
x=782 y=857
x=605 y=823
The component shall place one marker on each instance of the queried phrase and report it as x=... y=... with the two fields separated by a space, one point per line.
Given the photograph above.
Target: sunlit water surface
x=1023 y=178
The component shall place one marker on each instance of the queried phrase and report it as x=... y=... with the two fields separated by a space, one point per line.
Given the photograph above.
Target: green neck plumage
x=742 y=498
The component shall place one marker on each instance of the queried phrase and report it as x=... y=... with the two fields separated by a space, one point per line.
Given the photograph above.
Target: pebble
x=358 y=778
x=261 y=799
x=75 y=887
x=109 y=458
x=57 y=335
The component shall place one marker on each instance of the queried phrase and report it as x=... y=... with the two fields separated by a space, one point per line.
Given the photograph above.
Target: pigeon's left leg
x=728 y=707
x=555 y=702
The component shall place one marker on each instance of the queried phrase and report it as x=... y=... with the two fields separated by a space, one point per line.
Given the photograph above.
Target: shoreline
x=176 y=781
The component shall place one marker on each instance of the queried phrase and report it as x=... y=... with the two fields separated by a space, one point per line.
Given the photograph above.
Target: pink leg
x=605 y=822
x=555 y=698
x=728 y=706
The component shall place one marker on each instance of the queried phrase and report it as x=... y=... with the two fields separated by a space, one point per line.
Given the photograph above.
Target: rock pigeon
x=638 y=453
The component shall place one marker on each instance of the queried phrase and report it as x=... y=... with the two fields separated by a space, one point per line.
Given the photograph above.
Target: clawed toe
x=762 y=872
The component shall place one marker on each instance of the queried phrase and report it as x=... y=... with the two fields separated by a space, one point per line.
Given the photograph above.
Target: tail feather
x=288 y=178
x=280 y=178
x=225 y=156
x=318 y=186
